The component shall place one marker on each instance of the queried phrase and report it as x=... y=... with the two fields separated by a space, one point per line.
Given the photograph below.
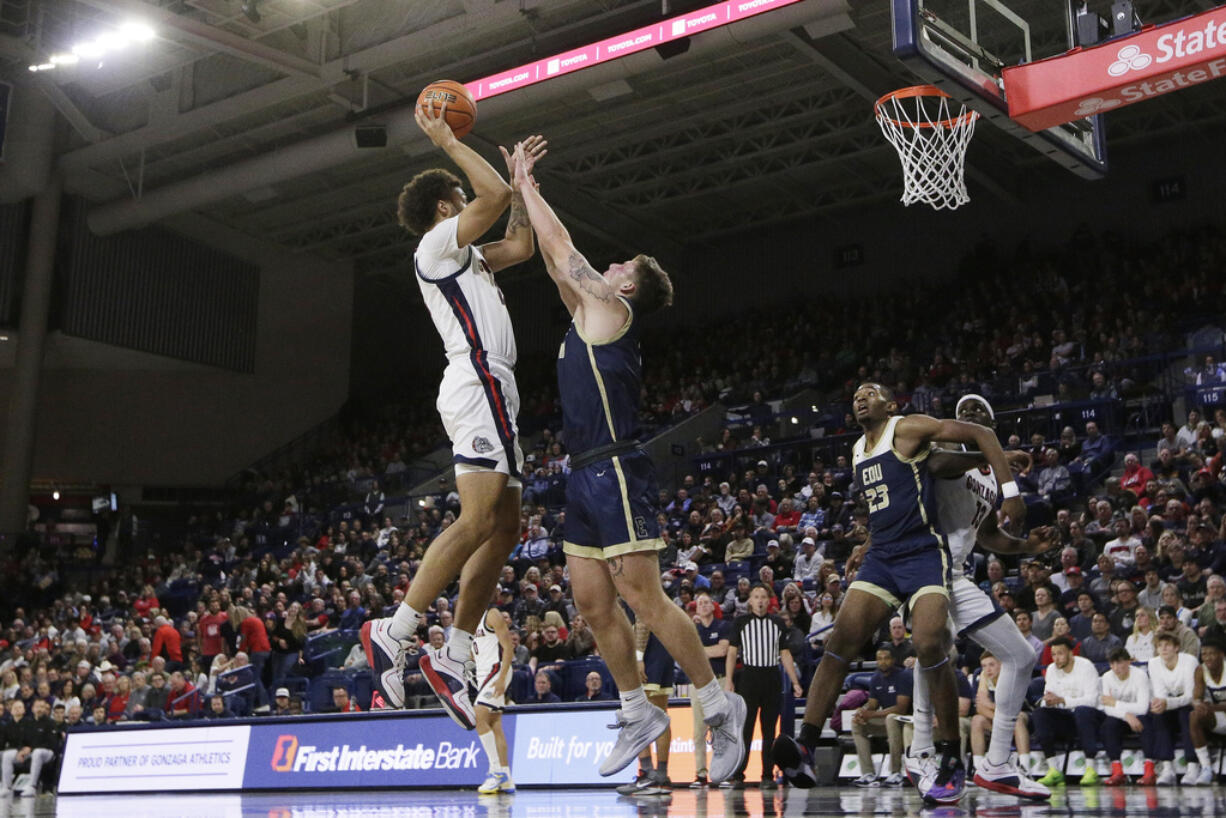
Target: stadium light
x=106 y=42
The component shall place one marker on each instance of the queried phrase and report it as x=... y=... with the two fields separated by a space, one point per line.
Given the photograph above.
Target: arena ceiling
x=247 y=123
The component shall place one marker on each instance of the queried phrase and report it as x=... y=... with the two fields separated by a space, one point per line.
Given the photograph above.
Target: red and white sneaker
x=386 y=657
x=449 y=681
x=1008 y=779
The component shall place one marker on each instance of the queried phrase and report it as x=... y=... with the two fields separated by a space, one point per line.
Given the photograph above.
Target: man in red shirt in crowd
x=253 y=638
x=1136 y=477
x=167 y=643
x=183 y=700
x=211 y=640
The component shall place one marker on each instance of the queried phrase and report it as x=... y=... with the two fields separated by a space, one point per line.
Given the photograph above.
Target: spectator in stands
x=25 y=737
x=889 y=695
x=1172 y=680
x=1193 y=585
x=254 y=643
x=1068 y=709
x=551 y=652
x=212 y=642
x=1059 y=630
x=742 y=546
x=288 y=638
x=1170 y=624
x=1136 y=477
x=807 y=562
x=1122 y=549
x=580 y=640
x=1173 y=599
x=1150 y=596
x=1125 y=611
x=281 y=702
x=218 y=708
x=1053 y=480
x=543 y=688
x=1214 y=625
x=1101 y=642
x=1045 y=613
x=342 y=703
x=899 y=644
x=985 y=712
x=1081 y=624
x=183 y=699
x=593 y=691
x=167 y=642
x=822 y=621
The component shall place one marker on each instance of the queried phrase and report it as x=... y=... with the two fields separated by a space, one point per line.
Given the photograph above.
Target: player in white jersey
x=478 y=402
x=966 y=506
x=1208 y=708
x=492 y=653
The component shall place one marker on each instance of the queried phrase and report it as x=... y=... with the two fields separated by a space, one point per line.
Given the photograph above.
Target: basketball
x=461 y=107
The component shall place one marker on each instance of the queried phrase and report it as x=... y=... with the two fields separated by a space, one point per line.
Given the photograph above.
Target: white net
x=931 y=141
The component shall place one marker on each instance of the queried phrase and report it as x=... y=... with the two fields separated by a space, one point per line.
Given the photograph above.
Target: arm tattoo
x=519 y=214
x=587 y=279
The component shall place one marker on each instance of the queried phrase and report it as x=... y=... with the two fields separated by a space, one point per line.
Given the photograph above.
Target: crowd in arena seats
x=255 y=611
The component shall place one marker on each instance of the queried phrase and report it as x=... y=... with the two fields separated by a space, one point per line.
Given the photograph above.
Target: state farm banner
x=1150 y=63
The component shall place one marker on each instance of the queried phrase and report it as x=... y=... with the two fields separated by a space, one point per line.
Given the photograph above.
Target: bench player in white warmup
x=478 y=402
x=966 y=506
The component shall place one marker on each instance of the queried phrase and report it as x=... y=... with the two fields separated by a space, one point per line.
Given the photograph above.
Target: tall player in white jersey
x=493 y=652
x=966 y=505
x=478 y=402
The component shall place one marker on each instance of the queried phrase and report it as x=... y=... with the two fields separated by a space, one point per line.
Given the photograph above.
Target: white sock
x=460 y=648
x=1023 y=760
x=491 y=750
x=634 y=703
x=711 y=697
x=404 y=622
x=1202 y=755
x=979 y=761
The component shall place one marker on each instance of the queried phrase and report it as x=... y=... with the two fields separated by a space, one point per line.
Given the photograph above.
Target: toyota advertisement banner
x=1150 y=63
x=400 y=749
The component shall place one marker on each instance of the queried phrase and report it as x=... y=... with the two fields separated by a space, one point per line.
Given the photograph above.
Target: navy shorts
x=659 y=666
x=896 y=579
x=611 y=508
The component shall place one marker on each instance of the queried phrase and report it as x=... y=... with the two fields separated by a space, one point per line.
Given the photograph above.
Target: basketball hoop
x=931 y=141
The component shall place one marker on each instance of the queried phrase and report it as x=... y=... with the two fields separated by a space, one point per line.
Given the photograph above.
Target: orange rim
x=914 y=91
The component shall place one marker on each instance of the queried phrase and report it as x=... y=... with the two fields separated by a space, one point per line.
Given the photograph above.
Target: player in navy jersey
x=611 y=532
x=909 y=563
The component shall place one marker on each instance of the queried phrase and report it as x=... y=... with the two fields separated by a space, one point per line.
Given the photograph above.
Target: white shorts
x=1219 y=723
x=478 y=402
x=486 y=695
x=970 y=607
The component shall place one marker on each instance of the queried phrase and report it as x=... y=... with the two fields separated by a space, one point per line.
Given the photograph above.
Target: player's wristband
x=638 y=656
x=1009 y=490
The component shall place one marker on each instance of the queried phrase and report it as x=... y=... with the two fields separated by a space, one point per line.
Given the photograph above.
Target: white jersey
x=487 y=653
x=962 y=506
x=1175 y=685
x=1215 y=689
x=464 y=301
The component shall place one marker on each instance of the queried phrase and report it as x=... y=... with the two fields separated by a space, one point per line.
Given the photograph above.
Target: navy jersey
x=599 y=385
x=886 y=689
x=901 y=496
x=710 y=636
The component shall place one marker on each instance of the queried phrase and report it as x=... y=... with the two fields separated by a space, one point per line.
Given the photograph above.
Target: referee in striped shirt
x=759 y=640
